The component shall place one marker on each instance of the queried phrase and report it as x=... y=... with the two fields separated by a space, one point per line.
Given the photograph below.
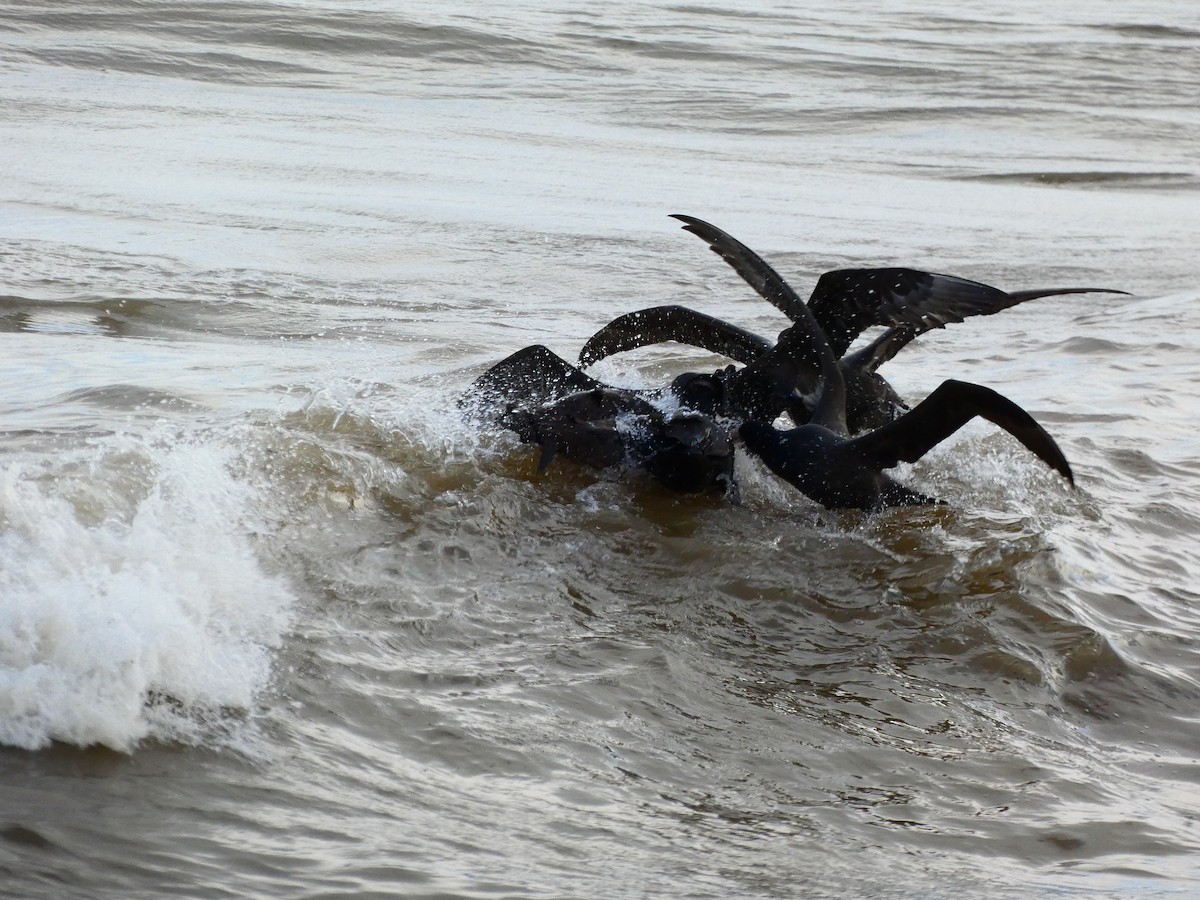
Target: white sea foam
x=132 y=605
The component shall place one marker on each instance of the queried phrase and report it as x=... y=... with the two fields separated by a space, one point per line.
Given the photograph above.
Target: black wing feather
x=760 y=276
x=948 y=409
x=673 y=323
x=847 y=301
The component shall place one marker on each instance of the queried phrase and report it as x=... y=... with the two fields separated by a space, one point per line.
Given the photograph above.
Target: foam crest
x=132 y=605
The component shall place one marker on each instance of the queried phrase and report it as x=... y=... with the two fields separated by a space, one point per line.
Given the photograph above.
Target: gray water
x=275 y=622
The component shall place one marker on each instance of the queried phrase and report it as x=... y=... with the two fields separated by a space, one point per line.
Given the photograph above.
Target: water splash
x=134 y=606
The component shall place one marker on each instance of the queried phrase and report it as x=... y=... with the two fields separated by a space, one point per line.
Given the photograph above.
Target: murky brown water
x=274 y=621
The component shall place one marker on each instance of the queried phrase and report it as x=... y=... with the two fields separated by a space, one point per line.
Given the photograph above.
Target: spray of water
x=134 y=606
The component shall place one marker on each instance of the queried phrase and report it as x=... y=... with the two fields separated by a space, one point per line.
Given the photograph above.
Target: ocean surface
x=275 y=621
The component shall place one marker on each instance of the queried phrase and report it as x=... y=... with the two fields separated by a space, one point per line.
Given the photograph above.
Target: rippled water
x=274 y=621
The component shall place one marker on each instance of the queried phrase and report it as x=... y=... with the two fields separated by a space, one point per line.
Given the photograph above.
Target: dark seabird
x=844 y=303
x=565 y=412
x=820 y=458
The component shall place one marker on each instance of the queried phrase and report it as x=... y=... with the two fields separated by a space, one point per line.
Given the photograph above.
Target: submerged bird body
x=605 y=427
x=582 y=427
x=686 y=452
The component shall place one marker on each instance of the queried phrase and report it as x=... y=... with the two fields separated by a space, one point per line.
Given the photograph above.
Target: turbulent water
x=274 y=621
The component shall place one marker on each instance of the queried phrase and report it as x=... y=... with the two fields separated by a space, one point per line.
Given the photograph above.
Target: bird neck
x=806 y=341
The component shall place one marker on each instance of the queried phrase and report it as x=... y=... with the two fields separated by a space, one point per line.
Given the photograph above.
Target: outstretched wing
x=947 y=409
x=760 y=276
x=847 y=301
x=673 y=323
